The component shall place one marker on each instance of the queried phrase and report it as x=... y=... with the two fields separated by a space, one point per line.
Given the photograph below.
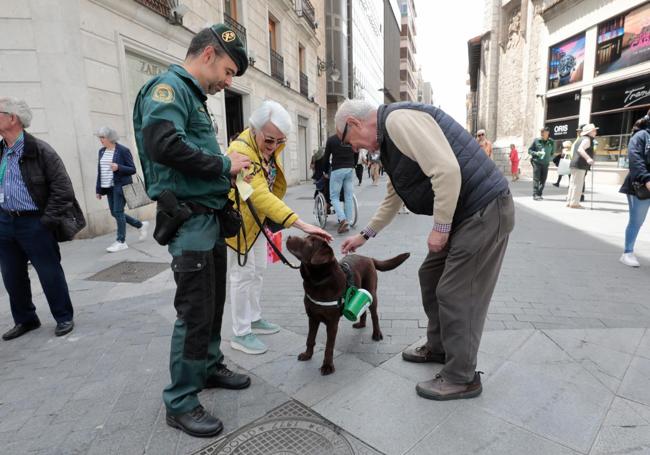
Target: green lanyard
x=3 y=165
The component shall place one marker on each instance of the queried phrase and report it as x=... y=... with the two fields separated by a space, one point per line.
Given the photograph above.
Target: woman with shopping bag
x=115 y=168
x=247 y=256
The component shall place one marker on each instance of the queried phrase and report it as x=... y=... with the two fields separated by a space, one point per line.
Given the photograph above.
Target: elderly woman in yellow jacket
x=262 y=143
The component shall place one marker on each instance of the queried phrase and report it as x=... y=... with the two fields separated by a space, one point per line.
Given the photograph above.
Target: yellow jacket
x=267 y=203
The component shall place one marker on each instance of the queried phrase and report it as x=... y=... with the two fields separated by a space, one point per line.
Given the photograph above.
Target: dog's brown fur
x=324 y=280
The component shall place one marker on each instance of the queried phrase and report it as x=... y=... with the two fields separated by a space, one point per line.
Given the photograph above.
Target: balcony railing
x=305 y=9
x=161 y=7
x=277 y=66
x=304 y=85
x=236 y=26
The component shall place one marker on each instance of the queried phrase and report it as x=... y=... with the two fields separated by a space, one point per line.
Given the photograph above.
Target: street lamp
x=323 y=66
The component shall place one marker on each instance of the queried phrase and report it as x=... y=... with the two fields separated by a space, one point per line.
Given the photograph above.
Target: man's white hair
x=109 y=133
x=359 y=109
x=17 y=107
x=273 y=112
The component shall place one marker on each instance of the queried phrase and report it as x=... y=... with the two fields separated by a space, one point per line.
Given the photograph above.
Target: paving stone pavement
x=566 y=352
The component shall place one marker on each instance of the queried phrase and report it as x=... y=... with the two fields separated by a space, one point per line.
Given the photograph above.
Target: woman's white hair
x=17 y=107
x=109 y=133
x=359 y=109
x=273 y=112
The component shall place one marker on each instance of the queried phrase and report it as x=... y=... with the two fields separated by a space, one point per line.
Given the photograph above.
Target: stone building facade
x=79 y=65
x=560 y=63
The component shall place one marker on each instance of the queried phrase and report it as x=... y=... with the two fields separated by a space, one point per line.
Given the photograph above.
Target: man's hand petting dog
x=351 y=244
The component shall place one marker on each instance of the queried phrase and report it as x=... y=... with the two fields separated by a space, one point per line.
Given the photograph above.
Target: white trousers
x=575 y=186
x=246 y=287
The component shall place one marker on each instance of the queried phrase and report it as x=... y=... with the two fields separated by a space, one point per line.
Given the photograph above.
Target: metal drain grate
x=130 y=272
x=291 y=428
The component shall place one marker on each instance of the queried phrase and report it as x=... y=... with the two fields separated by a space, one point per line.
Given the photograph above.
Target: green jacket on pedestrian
x=179 y=152
x=541 y=151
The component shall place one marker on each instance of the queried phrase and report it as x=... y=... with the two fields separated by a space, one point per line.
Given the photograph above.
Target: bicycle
x=321 y=212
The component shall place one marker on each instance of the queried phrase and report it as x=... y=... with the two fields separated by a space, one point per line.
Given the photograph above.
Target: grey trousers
x=457 y=285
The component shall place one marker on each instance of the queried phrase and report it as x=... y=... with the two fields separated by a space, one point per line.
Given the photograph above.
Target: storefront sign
x=564 y=130
x=566 y=62
x=623 y=40
x=630 y=93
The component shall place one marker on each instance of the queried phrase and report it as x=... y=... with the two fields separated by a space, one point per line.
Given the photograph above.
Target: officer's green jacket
x=540 y=145
x=178 y=149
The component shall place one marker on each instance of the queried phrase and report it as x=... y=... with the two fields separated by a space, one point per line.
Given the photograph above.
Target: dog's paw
x=377 y=336
x=359 y=325
x=326 y=369
x=304 y=356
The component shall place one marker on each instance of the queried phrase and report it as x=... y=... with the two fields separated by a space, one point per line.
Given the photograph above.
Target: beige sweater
x=419 y=137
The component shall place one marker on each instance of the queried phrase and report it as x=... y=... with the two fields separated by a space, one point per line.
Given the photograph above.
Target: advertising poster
x=566 y=62
x=624 y=40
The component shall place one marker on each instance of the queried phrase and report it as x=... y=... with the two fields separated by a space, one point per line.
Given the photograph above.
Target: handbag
x=640 y=190
x=135 y=194
x=564 y=166
x=271 y=255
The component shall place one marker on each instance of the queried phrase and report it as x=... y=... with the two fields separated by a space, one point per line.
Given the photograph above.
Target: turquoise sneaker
x=264 y=327
x=248 y=343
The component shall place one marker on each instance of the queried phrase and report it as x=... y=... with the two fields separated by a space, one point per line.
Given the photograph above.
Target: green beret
x=233 y=46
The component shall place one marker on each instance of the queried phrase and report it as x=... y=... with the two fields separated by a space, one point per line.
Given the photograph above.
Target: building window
x=562 y=117
x=277 y=61
x=159 y=6
x=273 y=34
x=232 y=17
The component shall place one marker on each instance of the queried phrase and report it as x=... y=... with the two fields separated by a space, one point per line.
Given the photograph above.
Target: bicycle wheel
x=320 y=210
x=355 y=211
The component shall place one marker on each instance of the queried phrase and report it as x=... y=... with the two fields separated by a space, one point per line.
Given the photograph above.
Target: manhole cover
x=290 y=429
x=130 y=272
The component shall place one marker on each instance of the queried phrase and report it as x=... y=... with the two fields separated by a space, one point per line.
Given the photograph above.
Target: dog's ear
x=323 y=254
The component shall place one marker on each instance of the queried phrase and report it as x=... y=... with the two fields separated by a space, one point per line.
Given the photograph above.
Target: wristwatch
x=567 y=64
x=365 y=235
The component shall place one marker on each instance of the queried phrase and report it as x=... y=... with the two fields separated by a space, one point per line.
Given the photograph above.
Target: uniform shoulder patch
x=163 y=93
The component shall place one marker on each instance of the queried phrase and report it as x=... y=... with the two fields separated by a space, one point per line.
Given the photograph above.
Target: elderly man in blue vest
x=437 y=168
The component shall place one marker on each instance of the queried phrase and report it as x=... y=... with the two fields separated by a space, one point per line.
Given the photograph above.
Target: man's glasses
x=345 y=133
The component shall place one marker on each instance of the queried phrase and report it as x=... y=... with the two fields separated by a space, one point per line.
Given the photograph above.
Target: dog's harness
x=349 y=282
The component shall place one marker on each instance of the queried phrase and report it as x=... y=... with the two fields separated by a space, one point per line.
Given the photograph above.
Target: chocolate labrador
x=326 y=280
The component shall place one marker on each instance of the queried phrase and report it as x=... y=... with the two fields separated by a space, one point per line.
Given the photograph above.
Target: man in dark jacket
x=436 y=168
x=35 y=191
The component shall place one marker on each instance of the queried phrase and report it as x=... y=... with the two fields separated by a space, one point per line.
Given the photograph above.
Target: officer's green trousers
x=200 y=296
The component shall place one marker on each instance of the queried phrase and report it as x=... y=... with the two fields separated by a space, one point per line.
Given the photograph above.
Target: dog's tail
x=390 y=264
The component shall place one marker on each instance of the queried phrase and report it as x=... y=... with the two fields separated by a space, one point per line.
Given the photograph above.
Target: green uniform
x=541 y=152
x=179 y=152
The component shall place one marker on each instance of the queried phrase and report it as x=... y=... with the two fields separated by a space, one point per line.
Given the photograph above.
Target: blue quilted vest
x=481 y=182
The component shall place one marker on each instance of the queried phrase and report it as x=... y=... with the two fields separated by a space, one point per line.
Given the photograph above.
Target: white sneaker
x=143 y=231
x=630 y=260
x=117 y=246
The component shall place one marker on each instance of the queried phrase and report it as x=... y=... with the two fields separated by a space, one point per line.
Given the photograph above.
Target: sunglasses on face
x=480 y=135
x=273 y=141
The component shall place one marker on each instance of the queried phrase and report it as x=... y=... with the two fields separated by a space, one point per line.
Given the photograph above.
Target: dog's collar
x=318 y=302
x=349 y=278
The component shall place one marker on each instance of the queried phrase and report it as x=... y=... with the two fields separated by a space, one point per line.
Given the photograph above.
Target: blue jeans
x=342 y=178
x=116 y=203
x=638 y=211
x=24 y=238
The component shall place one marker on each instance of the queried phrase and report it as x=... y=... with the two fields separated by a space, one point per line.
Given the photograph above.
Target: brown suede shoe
x=343 y=227
x=422 y=354
x=442 y=390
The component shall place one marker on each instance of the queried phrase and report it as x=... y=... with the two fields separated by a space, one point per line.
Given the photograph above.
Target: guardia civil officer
x=180 y=155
